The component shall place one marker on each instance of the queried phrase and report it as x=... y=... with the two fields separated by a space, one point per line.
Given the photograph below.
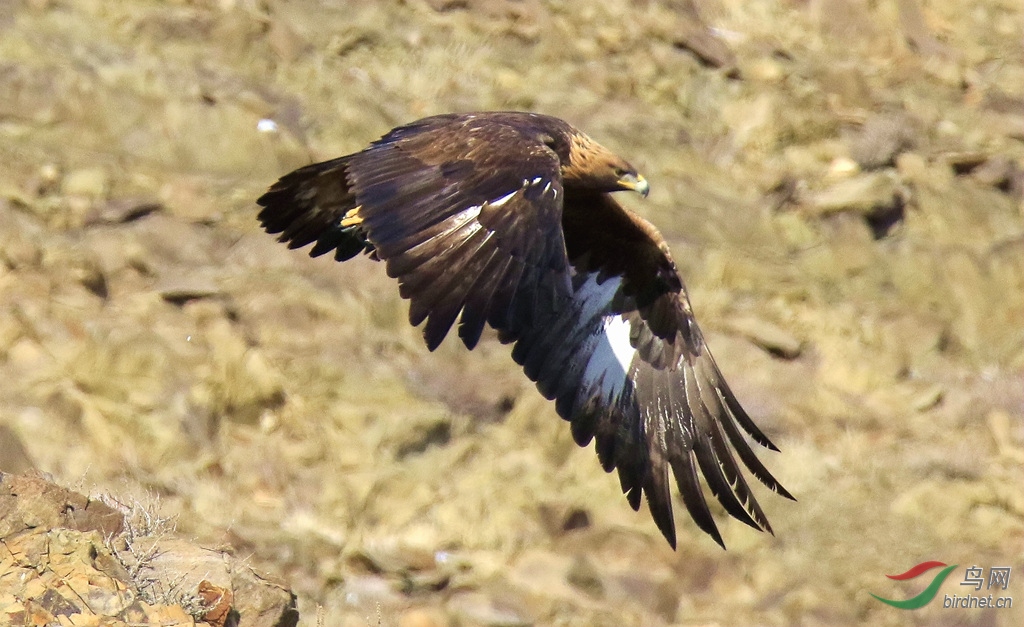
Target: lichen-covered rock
x=66 y=557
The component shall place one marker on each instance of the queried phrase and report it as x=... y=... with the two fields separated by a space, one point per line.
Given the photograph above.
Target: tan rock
x=92 y=183
x=423 y=617
x=769 y=336
x=866 y=194
x=65 y=570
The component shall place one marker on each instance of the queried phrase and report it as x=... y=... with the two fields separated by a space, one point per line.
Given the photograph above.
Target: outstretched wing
x=466 y=212
x=626 y=364
x=464 y=209
x=308 y=205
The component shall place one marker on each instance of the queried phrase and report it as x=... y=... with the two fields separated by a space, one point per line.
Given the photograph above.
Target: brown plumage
x=506 y=219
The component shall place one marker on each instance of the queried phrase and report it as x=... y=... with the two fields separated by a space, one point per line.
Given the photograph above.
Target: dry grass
x=138 y=546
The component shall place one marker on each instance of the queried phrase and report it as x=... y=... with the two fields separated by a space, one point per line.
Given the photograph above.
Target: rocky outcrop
x=69 y=559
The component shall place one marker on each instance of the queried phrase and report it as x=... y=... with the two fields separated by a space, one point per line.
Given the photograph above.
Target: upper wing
x=467 y=214
x=308 y=205
x=627 y=365
x=465 y=210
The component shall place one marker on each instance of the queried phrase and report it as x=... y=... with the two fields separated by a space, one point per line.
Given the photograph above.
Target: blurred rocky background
x=841 y=183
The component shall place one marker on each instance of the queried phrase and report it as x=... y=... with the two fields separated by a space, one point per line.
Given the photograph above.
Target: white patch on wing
x=467 y=214
x=609 y=363
x=616 y=332
x=594 y=298
x=469 y=230
x=504 y=199
x=454 y=223
x=460 y=220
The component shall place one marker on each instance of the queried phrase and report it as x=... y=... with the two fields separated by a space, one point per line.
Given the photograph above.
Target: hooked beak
x=636 y=183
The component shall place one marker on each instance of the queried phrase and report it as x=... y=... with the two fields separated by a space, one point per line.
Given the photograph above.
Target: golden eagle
x=506 y=219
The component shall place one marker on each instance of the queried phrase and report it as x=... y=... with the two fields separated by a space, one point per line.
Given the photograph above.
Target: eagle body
x=506 y=219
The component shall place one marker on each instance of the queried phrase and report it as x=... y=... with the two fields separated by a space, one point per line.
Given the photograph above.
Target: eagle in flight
x=506 y=219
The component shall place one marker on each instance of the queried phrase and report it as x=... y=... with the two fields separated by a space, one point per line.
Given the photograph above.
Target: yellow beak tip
x=642 y=186
x=635 y=183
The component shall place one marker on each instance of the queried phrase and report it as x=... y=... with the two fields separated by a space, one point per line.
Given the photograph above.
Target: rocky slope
x=840 y=181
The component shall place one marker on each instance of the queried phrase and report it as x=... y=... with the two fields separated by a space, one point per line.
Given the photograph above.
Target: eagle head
x=590 y=166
